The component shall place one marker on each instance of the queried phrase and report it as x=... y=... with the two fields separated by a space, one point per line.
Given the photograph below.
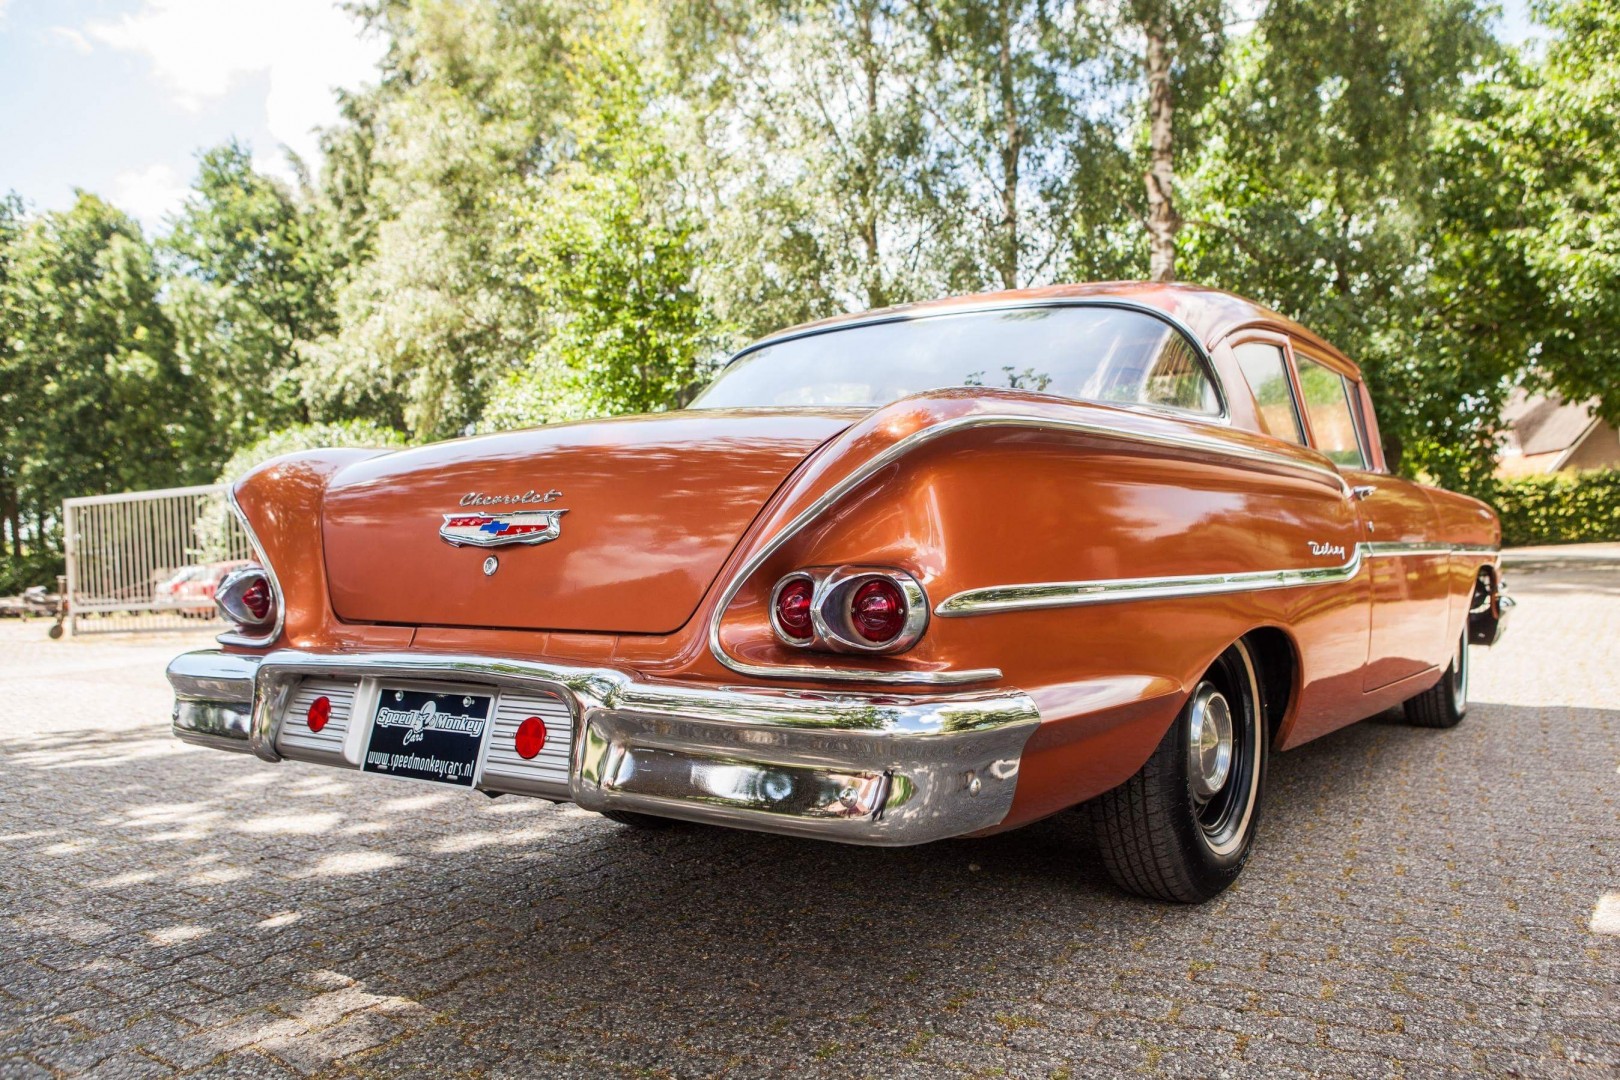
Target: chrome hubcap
x=1209 y=742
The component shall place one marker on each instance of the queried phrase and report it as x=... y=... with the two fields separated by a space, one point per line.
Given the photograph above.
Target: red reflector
x=793 y=609
x=878 y=611
x=530 y=737
x=256 y=598
x=320 y=711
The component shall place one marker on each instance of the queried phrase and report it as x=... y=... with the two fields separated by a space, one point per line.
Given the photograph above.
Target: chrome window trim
x=1053 y=594
x=1270 y=339
x=904 y=446
x=1403 y=547
x=1223 y=416
x=235 y=637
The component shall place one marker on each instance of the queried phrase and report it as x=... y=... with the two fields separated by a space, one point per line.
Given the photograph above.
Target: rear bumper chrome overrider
x=853 y=767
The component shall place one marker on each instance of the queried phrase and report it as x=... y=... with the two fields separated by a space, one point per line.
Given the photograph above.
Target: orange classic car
x=928 y=572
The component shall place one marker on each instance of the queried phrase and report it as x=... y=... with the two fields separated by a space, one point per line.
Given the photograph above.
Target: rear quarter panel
x=1086 y=497
x=1467 y=522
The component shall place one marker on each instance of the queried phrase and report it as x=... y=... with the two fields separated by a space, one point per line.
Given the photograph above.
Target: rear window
x=1092 y=353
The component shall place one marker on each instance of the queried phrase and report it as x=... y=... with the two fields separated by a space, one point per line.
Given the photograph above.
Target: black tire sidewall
x=1216 y=870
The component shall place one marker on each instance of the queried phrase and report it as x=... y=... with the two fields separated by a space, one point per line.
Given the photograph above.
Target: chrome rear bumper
x=852 y=767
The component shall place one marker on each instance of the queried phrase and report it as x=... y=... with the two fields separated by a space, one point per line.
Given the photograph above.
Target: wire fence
x=149 y=560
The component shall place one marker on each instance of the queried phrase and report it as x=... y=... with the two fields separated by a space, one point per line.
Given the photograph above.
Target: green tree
x=465 y=114
x=1313 y=192
x=819 y=173
x=1172 y=53
x=95 y=399
x=858 y=154
x=609 y=251
x=11 y=387
x=251 y=280
x=1526 y=283
x=1014 y=89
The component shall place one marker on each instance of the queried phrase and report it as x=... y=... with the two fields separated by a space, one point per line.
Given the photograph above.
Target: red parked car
x=191 y=589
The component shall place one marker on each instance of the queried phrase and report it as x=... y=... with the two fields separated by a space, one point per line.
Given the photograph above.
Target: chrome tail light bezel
x=252 y=635
x=228 y=598
x=776 y=622
x=834 y=588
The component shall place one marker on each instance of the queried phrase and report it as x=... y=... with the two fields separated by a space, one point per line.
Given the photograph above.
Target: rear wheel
x=1181 y=828
x=1445 y=703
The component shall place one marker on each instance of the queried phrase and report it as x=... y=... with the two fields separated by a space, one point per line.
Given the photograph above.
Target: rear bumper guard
x=852 y=767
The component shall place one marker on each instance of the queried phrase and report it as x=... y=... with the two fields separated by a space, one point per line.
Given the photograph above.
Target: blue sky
x=118 y=96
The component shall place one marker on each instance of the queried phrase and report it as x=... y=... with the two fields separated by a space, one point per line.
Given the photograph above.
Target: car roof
x=1211 y=314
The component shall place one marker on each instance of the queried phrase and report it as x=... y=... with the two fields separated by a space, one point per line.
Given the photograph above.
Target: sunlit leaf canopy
x=549 y=209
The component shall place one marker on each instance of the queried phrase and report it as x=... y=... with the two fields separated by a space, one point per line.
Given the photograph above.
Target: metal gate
x=149 y=560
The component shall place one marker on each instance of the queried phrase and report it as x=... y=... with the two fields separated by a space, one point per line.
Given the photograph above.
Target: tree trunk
x=1011 y=152
x=871 y=163
x=1161 y=175
x=7 y=499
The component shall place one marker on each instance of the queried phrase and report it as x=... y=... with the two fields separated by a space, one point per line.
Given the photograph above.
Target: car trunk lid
x=644 y=512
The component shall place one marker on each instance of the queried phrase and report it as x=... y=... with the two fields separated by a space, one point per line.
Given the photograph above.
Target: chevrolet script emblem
x=498 y=529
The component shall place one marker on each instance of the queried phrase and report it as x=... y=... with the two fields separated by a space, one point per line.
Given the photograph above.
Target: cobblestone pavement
x=1420 y=903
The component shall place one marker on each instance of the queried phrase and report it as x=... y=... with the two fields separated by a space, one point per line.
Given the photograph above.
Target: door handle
x=1361 y=491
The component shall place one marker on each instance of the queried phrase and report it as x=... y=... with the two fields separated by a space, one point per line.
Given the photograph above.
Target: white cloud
x=78 y=41
x=199 y=49
x=150 y=194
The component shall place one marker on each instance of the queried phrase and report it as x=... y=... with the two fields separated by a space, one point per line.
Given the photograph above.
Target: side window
x=1333 y=422
x=1266 y=371
x=1177 y=379
x=1161 y=370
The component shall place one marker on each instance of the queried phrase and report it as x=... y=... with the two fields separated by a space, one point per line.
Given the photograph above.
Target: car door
x=1406 y=569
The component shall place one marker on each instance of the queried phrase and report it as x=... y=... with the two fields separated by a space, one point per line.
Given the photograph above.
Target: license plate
x=427 y=735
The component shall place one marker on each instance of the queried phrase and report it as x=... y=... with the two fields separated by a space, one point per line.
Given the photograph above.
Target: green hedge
x=34 y=568
x=1564 y=508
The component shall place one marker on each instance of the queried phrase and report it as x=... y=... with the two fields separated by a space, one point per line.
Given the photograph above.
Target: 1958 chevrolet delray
x=927 y=572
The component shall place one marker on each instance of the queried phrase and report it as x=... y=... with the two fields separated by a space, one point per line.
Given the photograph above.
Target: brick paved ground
x=1420 y=903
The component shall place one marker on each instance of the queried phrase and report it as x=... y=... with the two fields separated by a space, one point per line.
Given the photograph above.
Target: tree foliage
x=608 y=247
x=467 y=111
x=94 y=397
x=251 y=281
x=1528 y=238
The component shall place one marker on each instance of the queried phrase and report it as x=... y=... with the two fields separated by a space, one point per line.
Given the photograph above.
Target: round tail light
x=849 y=609
x=877 y=611
x=320 y=711
x=530 y=738
x=256 y=598
x=790 y=610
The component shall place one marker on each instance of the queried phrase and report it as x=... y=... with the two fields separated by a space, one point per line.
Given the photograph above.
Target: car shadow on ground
x=230 y=894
